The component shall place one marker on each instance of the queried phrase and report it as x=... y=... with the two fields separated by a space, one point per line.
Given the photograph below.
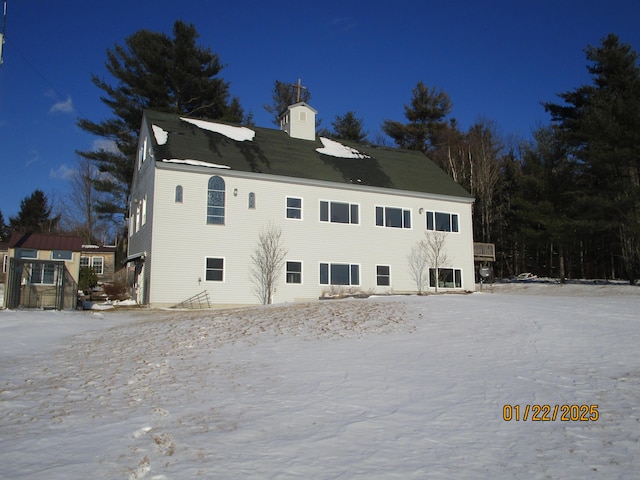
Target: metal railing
x=201 y=300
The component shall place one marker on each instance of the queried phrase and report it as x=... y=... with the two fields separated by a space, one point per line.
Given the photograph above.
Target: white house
x=349 y=214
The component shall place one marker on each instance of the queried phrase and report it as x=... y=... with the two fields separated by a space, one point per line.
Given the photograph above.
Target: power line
x=3 y=39
x=43 y=77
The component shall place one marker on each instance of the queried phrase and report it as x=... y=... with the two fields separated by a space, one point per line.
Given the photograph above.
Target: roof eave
x=309 y=182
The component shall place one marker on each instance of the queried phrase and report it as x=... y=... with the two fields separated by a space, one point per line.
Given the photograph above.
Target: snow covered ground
x=394 y=387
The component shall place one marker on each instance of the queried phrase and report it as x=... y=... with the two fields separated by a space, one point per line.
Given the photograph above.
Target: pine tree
x=426 y=115
x=285 y=94
x=154 y=71
x=35 y=215
x=4 y=229
x=349 y=127
x=548 y=204
x=601 y=125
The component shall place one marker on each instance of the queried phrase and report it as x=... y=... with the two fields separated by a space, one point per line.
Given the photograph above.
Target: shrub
x=116 y=291
x=87 y=279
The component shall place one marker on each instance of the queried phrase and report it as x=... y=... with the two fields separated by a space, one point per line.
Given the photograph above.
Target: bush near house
x=87 y=279
x=115 y=291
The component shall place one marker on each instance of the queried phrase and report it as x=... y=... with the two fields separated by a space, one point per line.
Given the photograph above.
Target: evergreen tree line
x=565 y=203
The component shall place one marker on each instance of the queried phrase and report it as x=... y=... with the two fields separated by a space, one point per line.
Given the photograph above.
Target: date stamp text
x=550 y=413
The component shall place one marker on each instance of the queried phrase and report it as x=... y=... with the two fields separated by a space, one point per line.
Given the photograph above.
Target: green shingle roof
x=274 y=152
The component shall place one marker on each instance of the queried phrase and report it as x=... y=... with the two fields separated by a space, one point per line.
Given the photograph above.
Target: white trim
x=389 y=276
x=18 y=253
x=426 y=223
x=384 y=218
x=268 y=177
x=65 y=259
x=224 y=268
x=301 y=272
x=101 y=264
x=349 y=264
x=454 y=277
x=329 y=212
x=42 y=267
x=286 y=208
x=135 y=256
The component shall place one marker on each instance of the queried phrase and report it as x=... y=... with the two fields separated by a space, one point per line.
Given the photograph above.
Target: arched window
x=252 y=200
x=178 y=193
x=215 y=201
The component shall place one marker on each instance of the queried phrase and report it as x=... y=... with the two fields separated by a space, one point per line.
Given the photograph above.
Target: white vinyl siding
x=176 y=263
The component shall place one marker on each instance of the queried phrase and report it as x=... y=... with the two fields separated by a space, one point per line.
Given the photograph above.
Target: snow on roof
x=336 y=149
x=197 y=163
x=160 y=134
x=239 y=134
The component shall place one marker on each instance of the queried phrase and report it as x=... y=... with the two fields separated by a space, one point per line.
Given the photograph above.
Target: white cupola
x=299 y=121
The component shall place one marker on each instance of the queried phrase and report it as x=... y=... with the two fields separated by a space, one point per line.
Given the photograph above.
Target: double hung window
x=383 y=275
x=97 y=263
x=214 y=269
x=294 y=208
x=294 y=272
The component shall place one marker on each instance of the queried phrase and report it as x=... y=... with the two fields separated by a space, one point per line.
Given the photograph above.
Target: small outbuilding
x=42 y=271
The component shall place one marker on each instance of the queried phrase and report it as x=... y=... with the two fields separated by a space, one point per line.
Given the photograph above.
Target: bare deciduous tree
x=418 y=267
x=80 y=204
x=485 y=147
x=428 y=253
x=434 y=246
x=267 y=262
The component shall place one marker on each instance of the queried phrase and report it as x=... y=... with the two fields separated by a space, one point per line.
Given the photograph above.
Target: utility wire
x=42 y=76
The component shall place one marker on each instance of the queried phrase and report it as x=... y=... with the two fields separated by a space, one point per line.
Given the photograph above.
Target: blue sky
x=495 y=59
